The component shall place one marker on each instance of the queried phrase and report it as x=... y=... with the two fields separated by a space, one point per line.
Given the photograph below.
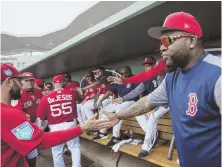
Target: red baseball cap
x=149 y=60
x=179 y=21
x=9 y=71
x=38 y=82
x=28 y=75
x=59 y=79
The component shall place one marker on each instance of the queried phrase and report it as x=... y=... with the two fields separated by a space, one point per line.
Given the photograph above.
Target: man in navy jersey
x=192 y=90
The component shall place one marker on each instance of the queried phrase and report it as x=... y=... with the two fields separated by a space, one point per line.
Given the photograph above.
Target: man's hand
x=149 y=114
x=112 y=118
x=80 y=91
x=117 y=101
x=93 y=124
x=115 y=80
x=28 y=117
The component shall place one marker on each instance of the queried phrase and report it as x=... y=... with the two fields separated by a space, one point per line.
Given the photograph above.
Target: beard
x=180 y=60
x=15 y=94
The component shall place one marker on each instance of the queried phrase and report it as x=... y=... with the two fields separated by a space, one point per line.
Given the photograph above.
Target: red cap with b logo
x=179 y=21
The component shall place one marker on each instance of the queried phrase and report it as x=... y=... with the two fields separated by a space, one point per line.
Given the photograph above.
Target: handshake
x=94 y=124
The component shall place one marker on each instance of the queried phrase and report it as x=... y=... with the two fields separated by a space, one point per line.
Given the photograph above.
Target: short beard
x=15 y=94
x=181 y=59
x=172 y=68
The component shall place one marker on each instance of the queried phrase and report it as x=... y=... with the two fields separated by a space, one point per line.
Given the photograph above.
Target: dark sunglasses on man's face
x=168 y=40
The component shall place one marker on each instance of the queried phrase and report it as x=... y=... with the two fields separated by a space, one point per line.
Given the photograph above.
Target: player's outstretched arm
x=141 y=107
x=159 y=69
x=92 y=85
x=55 y=138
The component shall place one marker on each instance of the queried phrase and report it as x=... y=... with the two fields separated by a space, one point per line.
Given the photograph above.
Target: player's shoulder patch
x=14 y=103
x=23 y=131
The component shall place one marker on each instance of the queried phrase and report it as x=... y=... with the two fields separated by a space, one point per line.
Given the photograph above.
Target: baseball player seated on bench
x=116 y=106
x=90 y=95
x=102 y=86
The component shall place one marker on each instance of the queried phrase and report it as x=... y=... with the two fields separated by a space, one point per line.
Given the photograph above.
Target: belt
x=70 y=120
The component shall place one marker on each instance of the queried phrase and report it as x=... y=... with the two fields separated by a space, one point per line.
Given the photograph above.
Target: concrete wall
x=134 y=63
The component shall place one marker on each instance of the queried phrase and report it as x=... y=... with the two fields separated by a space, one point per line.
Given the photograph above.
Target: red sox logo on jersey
x=192 y=104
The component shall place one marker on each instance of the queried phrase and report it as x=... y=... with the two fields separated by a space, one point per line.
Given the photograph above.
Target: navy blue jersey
x=194 y=99
x=150 y=85
x=122 y=90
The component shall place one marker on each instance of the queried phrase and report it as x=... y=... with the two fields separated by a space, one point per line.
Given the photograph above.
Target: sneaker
x=113 y=141
x=143 y=154
x=65 y=150
x=101 y=135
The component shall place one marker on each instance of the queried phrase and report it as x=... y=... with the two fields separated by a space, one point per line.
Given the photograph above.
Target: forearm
x=55 y=138
x=106 y=95
x=141 y=107
x=134 y=93
x=91 y=85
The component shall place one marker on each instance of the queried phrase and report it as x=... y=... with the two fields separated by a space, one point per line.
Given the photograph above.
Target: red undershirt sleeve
x=55 y=138
x=159 y=69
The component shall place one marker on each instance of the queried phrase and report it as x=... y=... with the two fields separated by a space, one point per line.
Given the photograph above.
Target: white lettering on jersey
x=60 y=98
x=59 y=109
x=28 y=104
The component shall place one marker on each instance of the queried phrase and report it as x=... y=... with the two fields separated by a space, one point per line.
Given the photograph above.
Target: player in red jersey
x=69 y=84
x=90 y=95
x=59 y=107
x=29 y=103
x=19 y=136
x=39 y=84
x=102 y=86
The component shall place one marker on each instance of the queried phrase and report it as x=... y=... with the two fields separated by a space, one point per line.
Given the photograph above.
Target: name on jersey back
x=63 y=97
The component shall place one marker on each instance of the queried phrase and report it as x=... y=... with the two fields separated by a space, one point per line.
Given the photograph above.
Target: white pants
x=90 y=105
x=79 y=114
x=73 y=145
x=118 y=108
x=150 y=126
x=34 y=153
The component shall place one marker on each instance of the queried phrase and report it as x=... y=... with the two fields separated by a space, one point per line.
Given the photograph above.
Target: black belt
x=70 y=120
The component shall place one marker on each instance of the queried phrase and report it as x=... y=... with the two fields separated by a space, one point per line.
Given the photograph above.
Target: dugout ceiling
x=129 y=38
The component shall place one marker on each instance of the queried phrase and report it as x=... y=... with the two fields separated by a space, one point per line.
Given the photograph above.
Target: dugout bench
x=163 y=153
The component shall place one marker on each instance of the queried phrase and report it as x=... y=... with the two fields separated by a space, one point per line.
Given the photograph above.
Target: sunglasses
x=147 y=65
x=168 y=40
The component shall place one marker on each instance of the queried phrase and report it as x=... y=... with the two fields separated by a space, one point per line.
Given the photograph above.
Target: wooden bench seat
x=159 y=152
x=158 y=155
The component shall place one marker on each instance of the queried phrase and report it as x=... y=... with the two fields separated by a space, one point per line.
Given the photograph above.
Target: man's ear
x=193 y=41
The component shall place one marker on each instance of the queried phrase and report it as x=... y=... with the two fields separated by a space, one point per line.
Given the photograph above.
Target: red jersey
x=58 y=106
x=102 y=88
x=18 y=137
x=89 y=92
x=28 y=103
x=43 y=91
x=72 y=85
x=159 y=69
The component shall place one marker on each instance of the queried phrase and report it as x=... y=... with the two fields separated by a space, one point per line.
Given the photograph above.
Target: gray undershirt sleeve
x=159 y=96
x=217 y=93
x=135 y=92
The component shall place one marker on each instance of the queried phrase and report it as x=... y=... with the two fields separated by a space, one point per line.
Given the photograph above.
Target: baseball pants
x=118 y=108
x=149 y=125
x=73 y=145
x=89 y=106
x=78 y=107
